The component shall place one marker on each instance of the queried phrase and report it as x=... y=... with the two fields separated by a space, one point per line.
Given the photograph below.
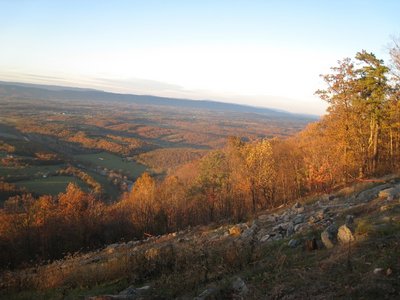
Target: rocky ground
x=342 y=245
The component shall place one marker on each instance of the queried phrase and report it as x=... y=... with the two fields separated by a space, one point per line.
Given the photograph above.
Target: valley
x=114 y=138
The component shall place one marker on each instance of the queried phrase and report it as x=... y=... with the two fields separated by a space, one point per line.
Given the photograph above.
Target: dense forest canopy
x=359 y=137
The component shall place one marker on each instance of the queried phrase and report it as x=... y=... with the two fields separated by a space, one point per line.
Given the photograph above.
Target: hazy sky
x=265 y=53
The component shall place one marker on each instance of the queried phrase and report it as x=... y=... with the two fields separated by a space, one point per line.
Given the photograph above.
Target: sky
x=266 y=53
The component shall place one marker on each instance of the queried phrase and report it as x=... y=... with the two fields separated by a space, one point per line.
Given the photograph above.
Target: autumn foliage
x=359 y=137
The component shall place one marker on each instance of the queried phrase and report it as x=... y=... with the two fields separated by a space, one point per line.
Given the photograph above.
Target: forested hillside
x=358 y=138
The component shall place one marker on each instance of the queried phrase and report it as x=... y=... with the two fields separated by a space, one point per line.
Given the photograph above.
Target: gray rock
x=129 y=293
x=265 y=238
x=372 y=193
x=300 y=227
x=239 y=287
x=249 y=232
x=378 y=271
x=318 y=216
x=261 y=233
x=267 y=218
x=293 y=243
x=208 y=294
x=345 y=235
x=290 y=230
x=111 y=248
x=392 y=192
x=277 y=237
x=286 y=217
x=298 y=219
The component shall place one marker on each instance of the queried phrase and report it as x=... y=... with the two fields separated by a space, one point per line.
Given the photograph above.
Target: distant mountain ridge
x=47 y=92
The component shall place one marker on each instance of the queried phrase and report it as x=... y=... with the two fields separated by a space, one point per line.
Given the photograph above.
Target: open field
x=28 y=171
x=112 y=162
x=51 y=185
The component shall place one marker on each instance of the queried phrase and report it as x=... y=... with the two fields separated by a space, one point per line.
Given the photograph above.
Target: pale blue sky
x=264 y=53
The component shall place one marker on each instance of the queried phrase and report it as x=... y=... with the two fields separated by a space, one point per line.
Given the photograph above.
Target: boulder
x=390 y=193
x=290 y=230
x=318 y=216
x=249 y=232
x=345 y=234
x=235 y=230
x=277 y=237
x=208 y=294
x=298 y=219
x=239 y=287
x=261 y=233
x=265 y=238
x=293 y=243
x=111 y=248
x=378 y=271
x=328 y=236
x=266 y=218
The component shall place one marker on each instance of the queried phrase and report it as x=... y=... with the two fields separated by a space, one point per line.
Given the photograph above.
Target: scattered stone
x=267 y=218
x=208 y=294
x=293 y=243
x=345 y=235
x=249 y=232
x=92 y=260
x=378 y=271
x=239 y=287
x=277 y=237
x=132 y=243
x=111 y=248
x=384 y=207
x=298 y=219
x=318 y=216
x=265 y=238
x=235 y=230
x=286 y=217
x=290 y=230
x=372 y=193
x=129 y=293
x=261 y=232
x=390 y=192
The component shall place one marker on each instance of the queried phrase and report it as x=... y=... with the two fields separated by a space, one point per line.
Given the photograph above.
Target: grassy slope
x=185 y=264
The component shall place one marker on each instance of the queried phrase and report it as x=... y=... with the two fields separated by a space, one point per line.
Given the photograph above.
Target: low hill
x=48 y=92
x=341 y=245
